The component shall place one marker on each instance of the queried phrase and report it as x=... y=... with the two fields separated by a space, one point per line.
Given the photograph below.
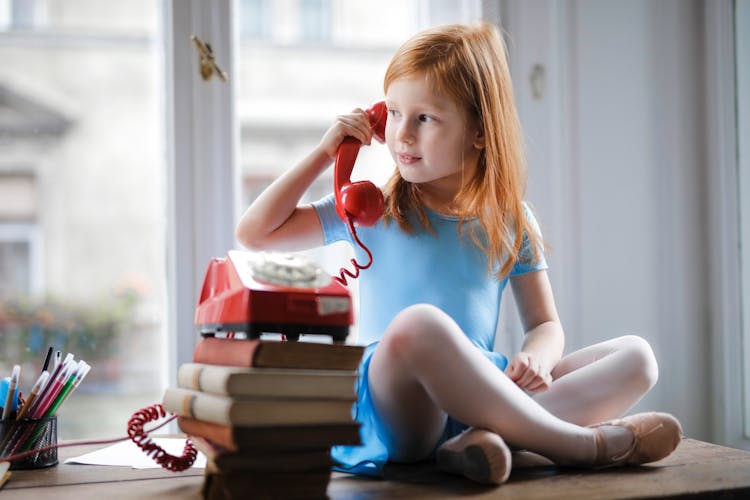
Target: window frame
x=201 y=150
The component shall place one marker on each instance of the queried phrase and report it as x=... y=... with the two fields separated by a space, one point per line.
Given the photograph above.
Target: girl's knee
x=416 y=328
x=641 y=360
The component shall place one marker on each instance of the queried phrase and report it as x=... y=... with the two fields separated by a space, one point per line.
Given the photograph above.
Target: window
x=254 y=18
x=84 y=183
x=290 y=21
x=82 y=201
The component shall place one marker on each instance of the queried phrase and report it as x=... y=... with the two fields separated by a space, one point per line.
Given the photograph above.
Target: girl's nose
x=404 y=133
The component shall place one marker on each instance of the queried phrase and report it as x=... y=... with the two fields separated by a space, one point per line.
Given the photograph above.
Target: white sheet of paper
x=127 y=454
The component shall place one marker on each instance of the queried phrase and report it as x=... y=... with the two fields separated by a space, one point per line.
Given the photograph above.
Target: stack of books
x=266 y=413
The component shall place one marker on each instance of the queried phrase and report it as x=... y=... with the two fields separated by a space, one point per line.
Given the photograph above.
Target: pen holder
x=17 y=436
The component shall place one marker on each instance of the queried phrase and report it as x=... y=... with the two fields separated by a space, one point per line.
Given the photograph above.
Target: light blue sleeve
x=334 y=228
x=526 y=262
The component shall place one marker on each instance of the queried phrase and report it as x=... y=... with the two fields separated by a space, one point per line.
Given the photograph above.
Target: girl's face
x=430 y=139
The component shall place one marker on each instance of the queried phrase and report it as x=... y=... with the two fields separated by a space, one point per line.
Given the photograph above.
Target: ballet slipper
x=655 y=435
x=478 y=454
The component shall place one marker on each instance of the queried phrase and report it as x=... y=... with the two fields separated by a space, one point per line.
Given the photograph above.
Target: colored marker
x=38 y=385
x=47 y=358
x=70 y=386
x=54 y=388
x=10 y=398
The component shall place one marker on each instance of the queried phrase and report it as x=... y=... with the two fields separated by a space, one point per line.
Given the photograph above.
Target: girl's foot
x=654 y=436
x=478 y=454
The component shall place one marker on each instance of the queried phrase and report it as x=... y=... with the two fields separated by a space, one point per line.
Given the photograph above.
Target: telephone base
x=291 y=331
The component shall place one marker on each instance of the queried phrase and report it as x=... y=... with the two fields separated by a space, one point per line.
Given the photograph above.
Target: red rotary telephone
x=360 y=201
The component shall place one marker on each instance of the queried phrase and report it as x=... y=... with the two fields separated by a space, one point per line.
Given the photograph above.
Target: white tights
x=425 y=369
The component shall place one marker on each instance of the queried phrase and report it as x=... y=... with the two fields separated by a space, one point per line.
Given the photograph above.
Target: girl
x=455 y=231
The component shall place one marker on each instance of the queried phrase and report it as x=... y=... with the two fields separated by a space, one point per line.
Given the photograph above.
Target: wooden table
x=696 y=469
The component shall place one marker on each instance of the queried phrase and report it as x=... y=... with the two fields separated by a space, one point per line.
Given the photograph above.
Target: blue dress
x=444 y=269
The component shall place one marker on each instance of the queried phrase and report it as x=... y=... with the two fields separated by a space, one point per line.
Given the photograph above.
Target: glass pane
x=81 y=243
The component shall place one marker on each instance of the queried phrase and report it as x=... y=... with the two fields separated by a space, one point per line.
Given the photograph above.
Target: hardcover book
x=256 y=411
x=267 y=382
x=273 y=461
x=276 y=354
x=273 y=438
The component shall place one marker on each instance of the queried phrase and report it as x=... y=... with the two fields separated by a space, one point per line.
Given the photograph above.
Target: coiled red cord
x=343 y=273
x=139 y=436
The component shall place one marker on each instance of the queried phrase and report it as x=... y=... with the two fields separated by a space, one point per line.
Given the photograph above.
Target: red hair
x=468 y=63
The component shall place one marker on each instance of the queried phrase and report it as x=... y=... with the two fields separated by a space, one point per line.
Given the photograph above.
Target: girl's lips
x=408 y=159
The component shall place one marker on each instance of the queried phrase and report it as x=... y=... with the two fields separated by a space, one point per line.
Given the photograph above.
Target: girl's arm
x=544 y=341
x=274 y=221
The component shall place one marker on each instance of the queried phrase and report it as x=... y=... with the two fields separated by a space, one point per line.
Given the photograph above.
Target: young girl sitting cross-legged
x=456 y=230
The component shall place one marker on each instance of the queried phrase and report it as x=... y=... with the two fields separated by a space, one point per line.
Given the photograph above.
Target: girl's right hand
x=527 y=372
x=355 y=124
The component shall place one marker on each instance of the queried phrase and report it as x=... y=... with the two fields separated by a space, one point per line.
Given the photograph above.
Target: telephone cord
x=139 y=436
x=343 y=273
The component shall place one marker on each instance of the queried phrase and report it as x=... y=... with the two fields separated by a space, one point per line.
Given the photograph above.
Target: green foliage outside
x=28 y=327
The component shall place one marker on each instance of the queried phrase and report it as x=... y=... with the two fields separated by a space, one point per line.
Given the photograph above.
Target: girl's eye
x=393 y=112
x=425 y=118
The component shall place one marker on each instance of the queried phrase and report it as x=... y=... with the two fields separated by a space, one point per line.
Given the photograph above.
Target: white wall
x=616 y=172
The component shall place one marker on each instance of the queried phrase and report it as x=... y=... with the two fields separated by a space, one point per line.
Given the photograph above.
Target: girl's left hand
x=528 y=373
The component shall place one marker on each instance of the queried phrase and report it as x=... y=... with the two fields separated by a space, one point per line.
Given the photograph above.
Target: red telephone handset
x=361 y=201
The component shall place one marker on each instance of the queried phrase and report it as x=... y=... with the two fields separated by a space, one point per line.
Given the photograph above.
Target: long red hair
x=469 y=64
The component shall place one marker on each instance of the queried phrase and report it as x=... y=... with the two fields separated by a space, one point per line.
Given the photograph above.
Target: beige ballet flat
x=656 y=435
x=477 y=454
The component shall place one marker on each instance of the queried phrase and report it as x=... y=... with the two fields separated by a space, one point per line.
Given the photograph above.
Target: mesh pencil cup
x=17 y=436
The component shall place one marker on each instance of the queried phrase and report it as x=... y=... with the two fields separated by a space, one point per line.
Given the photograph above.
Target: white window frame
x=201 y=154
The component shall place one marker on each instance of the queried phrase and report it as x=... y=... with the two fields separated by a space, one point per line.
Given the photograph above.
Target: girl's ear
x=478 y=139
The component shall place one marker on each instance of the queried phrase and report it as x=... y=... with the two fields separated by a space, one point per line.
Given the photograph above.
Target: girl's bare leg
x=425 y=368
x=602 y=381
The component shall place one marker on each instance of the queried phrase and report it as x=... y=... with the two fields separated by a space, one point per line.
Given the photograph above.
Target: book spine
x=256 y=411
x=303 y=437
x=200 y=377
x=267 y=382
x=217 y=434
x=227 y=352
x=200 y=406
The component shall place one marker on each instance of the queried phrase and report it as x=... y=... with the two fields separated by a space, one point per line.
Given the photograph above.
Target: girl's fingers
x=531 y=378
x=529 y=375
x=542 y=384
x=527 y=379
x=356 y=125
